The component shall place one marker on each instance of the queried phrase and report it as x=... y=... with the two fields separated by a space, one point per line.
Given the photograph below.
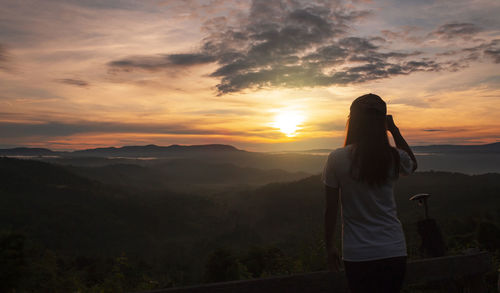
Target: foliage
x=63 y=232
x=222 y=265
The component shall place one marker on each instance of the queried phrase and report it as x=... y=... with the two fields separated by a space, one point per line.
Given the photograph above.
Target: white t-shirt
x=370 y=227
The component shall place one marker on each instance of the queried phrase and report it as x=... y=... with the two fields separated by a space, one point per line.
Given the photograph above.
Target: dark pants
x=381 y=275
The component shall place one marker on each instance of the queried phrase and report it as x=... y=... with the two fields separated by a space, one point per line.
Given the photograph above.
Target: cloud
x=61 y=129
x=493 y=53
x=379 y=69
x=102 y=5
x=434 y=130
x=159 y=62
x=200 y=9
x=446 y=32
x=4 y=58
x=284 y=45
x=460 y=56
x=457 y=30
x=295 y=44
x=75 y=82
x=332 y=125
x=407 y=34
x=489 y=49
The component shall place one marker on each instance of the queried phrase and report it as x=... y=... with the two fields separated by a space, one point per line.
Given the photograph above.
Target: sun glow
x=288 y=122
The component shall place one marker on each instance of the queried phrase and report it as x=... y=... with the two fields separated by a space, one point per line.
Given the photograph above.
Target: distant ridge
x=27 y=152
x=450 y=148
x=125 y=151
x=439 y=148
x=152 y=150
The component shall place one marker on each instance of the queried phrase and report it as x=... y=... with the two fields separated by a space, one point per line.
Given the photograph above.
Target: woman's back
x=370 y=227
x=361 y=177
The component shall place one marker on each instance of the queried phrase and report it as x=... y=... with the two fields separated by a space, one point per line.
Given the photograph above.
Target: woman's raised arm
x=399 y=140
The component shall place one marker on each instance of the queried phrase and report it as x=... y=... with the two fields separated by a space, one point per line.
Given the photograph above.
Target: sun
x=288 y=122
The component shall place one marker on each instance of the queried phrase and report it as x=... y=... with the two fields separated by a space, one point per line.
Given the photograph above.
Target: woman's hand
x=391 y=126
x=333 y=260
x=399 y=140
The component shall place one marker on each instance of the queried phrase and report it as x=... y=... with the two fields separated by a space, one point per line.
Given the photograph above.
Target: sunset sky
x=262 y=75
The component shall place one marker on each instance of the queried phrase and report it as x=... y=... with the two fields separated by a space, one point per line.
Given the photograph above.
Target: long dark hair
x=373 y=158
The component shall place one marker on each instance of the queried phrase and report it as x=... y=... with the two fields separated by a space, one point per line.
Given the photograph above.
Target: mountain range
x=125 y=151
x=106 y=220
x=172 y=150
x=469 y=159
x=448 y=148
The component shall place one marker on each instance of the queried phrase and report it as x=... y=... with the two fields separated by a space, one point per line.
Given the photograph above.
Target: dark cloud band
x=457 y=30
x=159 y=62
x=4 y=58
x=300 y=44
x=60 y=129
x=75 y=82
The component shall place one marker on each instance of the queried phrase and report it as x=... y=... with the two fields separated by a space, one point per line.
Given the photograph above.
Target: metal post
x=426 y=208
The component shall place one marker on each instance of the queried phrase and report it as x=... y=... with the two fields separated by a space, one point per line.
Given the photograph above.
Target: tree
x=222 y=265
x=11 y=260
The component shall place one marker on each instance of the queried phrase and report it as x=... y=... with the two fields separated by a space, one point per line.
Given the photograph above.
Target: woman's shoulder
x=342 y=151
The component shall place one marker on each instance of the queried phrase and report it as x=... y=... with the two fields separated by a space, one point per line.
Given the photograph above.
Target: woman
x=362 y=175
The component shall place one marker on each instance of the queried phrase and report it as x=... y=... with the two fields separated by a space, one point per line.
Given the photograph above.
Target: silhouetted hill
x=75 y=216
x=58 y=208
x=289 y=162
x=445 y=148
x=126 y=151
x=130 y=175
x=154 y=150
x=452 y=194
x=197 y=171
x=484 y=148
x=183 y=171
x=280 y=212
x=27 y=152
x=21 y=174
x=470 y=159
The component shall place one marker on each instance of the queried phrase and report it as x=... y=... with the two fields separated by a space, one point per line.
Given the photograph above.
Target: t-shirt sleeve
x=329 y=177
x=405 y=163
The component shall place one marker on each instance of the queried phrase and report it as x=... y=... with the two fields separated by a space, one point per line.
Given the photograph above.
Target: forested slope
x=167 y=238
